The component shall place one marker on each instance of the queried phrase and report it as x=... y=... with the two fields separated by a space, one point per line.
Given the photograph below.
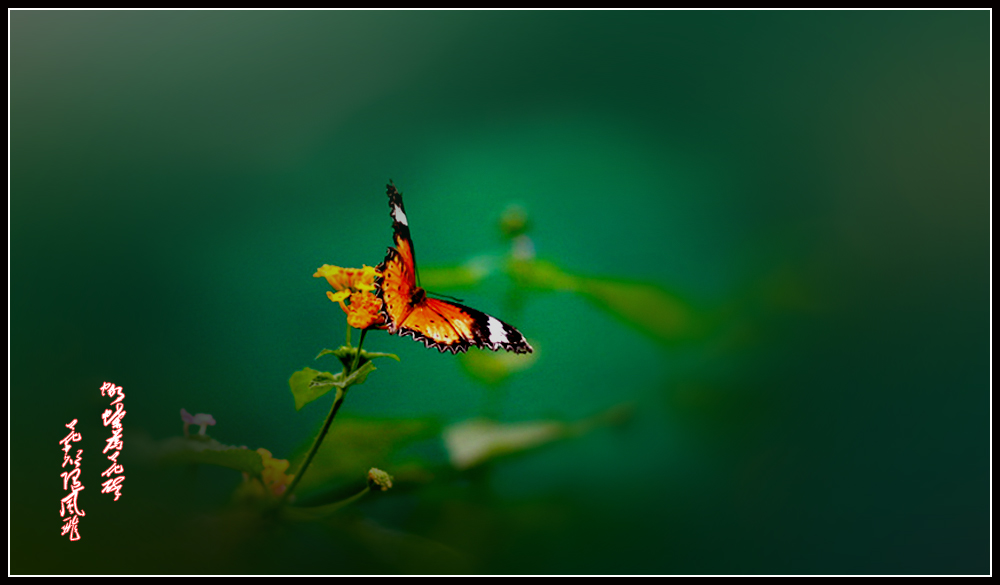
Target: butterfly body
x=408 y=311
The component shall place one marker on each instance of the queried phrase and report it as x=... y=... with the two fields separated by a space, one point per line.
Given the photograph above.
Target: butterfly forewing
x=401 y=234
x=395 y=288
x=434 y=322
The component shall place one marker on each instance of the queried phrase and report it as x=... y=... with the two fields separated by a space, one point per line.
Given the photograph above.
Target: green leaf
x=183 y=450
x=358 y=376
x=346 y=355
x=369 y=355
x=492 y=368
x=308 y=384
x=473 y=442
x=646 y=307
x=542 y=275
x=467 y=275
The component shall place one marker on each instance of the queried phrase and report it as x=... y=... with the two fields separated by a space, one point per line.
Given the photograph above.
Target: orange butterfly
x=408 y=310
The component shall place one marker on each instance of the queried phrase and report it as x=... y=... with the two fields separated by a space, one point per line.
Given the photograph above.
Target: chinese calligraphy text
x=69 y=508
x=113 y=418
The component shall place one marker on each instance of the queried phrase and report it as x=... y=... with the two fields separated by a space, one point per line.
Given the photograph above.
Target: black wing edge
x=488 y=333
x=400 y=228
x=495 y=335
x=379 y=278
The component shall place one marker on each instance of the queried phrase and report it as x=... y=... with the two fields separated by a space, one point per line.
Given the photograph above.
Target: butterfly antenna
x=449 y=297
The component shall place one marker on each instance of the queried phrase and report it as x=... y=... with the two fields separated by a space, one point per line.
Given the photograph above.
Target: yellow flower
x=347 y=280
x=274 y=473
x=355 y=284
x=363 y=311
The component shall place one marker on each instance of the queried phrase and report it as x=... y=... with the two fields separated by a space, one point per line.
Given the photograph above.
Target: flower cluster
x=354 y=285
x=273 y=480
x=274 y=476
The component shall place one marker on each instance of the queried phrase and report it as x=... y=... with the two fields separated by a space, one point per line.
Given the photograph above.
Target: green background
x=814 y=184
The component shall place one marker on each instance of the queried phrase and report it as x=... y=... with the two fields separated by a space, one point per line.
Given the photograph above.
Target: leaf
x=346 y=355
x=646 y=307
x=369 y=355
x=308 y=384
x=542 y=275
x=466 y=275
x=358 y=376
x=492 y=368
x=476 y=441
x=181 y=450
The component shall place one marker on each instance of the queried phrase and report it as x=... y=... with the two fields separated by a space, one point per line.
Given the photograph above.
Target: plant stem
x=324 y=511
x=357 y=356
x=341 y=394
x=315 y=446
x=350 y=500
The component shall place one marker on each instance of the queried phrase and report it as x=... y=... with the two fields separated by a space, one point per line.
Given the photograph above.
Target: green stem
x=341 y=394
x=350 y=500
x=324 y=511
x=357 y=356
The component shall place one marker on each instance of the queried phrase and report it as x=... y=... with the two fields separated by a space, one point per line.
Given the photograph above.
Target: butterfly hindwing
x=408 y=310
x=478 y=328
x=433 y=329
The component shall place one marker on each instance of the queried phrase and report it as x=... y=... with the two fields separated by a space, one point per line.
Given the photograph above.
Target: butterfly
x=408 y=310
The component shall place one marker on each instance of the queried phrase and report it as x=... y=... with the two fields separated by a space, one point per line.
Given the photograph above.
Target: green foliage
x=473 y=442
x=646 y=307
x=346 y=355
x=452 y=277
x=204 y=450
x=541 y=275
x=314 y=513
x=308 y=384
x=494 y=367
x=643 y=306
x=354 y=445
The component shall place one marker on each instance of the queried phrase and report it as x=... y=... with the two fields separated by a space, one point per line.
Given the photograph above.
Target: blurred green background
x=798 y=201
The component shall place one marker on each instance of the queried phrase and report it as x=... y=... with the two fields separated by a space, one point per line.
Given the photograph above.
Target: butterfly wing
x=454 y=327
x=398 y=281
x=434 y=322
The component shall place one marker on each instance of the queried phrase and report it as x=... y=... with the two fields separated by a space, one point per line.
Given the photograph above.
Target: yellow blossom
x=273 y=476
x=363 y=312
x=356 y=285
x=347 y=280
